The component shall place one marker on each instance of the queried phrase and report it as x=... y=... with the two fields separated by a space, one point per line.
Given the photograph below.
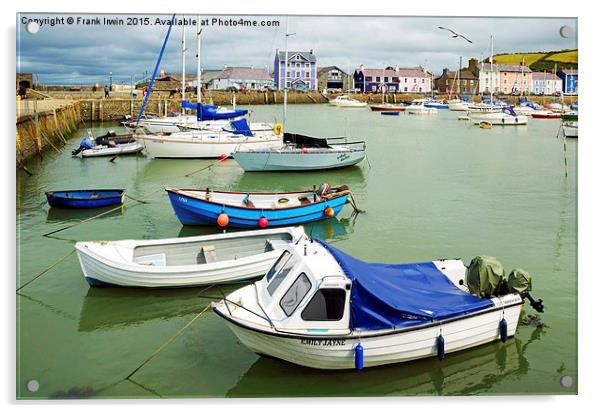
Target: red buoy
x=263 y=222
x=223 y=156
x=329 y=212
x=223 y=220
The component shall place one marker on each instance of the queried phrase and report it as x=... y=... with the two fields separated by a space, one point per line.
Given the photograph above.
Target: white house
x=489 y=78
x=546 y=83
x=241 y=78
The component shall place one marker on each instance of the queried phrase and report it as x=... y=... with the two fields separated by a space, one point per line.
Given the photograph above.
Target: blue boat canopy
x=240 y=127
x=211 y=112
x=387 y=296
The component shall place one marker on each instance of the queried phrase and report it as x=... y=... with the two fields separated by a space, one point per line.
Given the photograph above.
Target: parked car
x=333 y=90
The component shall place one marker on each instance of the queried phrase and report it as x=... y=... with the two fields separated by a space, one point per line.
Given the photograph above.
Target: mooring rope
x=46 y=270
x=204 y=168
x=167 y=343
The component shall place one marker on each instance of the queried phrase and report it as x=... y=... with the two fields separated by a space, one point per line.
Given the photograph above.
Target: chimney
x=472 y=66
x=311 y=51
x=396 y=68
x=162 y=72
x=361 y=68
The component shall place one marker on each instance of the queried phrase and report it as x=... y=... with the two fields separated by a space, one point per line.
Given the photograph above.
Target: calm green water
x=434 y=187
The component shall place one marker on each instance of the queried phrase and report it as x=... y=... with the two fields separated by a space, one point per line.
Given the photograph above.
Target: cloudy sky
x=83 y=54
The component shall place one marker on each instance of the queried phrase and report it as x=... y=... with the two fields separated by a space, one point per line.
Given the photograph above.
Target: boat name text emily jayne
x=323 y=342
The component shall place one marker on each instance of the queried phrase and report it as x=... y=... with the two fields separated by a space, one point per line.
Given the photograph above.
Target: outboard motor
x=85 y=143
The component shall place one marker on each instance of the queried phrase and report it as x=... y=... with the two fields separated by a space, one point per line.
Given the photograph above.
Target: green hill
x=540 y=61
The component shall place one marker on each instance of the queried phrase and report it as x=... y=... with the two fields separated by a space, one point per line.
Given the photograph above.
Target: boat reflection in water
x=466 y=372
x=58 y=215
x=111 y=308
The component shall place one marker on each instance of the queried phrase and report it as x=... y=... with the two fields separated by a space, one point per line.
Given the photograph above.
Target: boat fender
x=329 y=212
x=359 y=357
x=278 y=128
x=223 y=220
x=263 y=222
x=503 y=120
x=440 y=347
x=283 y=201
x=503 y=330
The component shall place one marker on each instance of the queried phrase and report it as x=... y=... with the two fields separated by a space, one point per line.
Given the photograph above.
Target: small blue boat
x=390 y=113
x=256 y=209
x=86 y=198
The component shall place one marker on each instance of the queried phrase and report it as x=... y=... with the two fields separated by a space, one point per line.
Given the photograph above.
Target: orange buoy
x=329 y=212
x=305 y=150
x=263 y=222
x=223 y=156
x=223 y=220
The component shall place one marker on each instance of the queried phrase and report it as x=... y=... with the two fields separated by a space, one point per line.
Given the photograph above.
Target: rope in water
x=167 y=343
x=46 y=270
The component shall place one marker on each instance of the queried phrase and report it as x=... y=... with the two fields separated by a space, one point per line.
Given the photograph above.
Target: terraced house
x=393 y=79
x=546 y=83
x=506 y=79
x=569 y=81
x=297 y=71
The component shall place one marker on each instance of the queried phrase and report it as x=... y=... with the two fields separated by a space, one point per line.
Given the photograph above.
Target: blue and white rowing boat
x=256 y=209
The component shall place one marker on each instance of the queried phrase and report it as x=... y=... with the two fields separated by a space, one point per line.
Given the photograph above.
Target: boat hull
x=167 y=147
x=499 y=118
x=336 y=352
x=385 y=108
x=104 y=270
x=85 y=199
x=195 y=211
x=297 y=160
x=458 y=106
x=570 y=131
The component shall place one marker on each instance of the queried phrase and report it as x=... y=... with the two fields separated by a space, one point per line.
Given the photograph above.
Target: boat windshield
x=279 y=271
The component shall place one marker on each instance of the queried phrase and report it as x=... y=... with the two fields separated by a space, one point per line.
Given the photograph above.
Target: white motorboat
x=499 y=118
x=184 y=262
x=302 y=153
x=211 y=143
x=345 y=101
x=484 y=107
x=570 y=129
x=321 y=308
x=524 y=110
x=418 y=108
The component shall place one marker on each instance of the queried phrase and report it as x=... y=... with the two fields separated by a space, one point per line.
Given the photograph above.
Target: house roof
x=544 y=76
x=309 y=56
x=464 y=74
x=244 y=73
x=570 y=72
x=329 y=68
x=401 y=72
x=504 y=68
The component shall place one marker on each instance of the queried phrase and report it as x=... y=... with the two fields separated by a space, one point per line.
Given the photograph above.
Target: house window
x=378 y=78
x=405 y=80
x=288 y=85
x=297 y=291
x=327 y=304
x=368 y=78
x=415 y=80
x=420 y=89
x=423 y=80
x=298 y=64
x=405 y=89
x=386 y=79
x=288 y=74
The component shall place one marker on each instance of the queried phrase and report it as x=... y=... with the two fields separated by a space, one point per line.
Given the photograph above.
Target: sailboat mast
x=460 y=78
x=183 y=68
x=285 y=74
x=198 y=59
x=491 y=74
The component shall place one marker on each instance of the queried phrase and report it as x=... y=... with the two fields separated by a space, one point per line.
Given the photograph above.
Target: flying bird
x=455 y=34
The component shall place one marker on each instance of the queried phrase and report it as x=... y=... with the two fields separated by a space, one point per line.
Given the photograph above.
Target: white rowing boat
x=320 y=308
x=184 y=262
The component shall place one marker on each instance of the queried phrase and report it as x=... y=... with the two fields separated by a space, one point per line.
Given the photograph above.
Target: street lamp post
x=110 y=81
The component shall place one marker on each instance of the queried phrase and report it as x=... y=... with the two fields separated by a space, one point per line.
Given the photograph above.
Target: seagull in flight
x=455 y=34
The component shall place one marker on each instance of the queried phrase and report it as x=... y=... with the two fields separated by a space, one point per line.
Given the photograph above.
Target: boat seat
x=208 y=254
x=304 y=200
x=275 y=244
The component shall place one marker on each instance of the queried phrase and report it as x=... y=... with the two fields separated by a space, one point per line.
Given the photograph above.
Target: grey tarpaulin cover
x=485 y=276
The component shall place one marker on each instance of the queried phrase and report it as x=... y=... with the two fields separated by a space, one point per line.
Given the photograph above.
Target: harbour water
x=432 y=187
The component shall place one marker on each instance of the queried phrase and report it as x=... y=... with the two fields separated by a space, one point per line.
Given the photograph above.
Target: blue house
x=299 y=73
x=569 y=79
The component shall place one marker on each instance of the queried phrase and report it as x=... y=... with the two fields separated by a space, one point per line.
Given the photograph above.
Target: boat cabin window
x=279 y=271
x=327 y=304
x=291 y=299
